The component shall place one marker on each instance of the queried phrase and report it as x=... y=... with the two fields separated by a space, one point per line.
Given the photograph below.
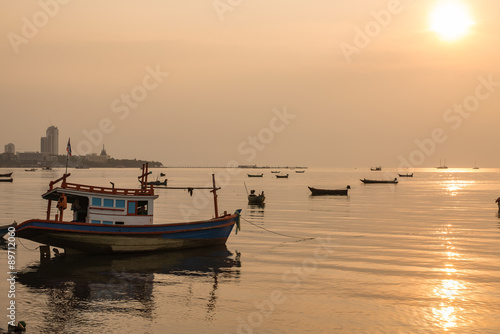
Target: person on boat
x=498 y=202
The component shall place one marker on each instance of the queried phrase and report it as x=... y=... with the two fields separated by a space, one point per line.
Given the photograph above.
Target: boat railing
x=107 y=190
x=101 y=190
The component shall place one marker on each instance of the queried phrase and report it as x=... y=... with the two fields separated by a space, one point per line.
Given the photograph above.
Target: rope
x=282 y=234
x=19 y=240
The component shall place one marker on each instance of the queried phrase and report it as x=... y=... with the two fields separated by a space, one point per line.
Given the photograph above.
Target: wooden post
x=214 y=190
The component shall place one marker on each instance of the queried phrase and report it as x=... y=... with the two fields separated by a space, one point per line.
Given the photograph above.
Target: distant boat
x=157 y=183
x=7 y=180
x=275 y=171
x=254 y=199
x=162 y=174
x=379 y=181
x=406 y=175
x=475 y=166
x=300 y=171
x=338 y=192
x=5 y=228
x=442 y=166
x=255 y=175
x=282 y=176
x=378 y=169
x=6 y=175
x=47 y=168
x=30 y=170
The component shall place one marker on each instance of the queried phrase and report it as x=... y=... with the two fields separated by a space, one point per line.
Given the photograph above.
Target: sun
x=450 y=20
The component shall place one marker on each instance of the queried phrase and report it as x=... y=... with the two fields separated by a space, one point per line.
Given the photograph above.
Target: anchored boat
x=114 y=220
x=337 y=192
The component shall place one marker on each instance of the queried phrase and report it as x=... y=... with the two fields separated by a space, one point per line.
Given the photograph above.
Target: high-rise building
x=10 y=148
x=50 y=143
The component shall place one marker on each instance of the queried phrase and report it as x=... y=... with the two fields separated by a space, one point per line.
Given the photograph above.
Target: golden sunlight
x=450 y=20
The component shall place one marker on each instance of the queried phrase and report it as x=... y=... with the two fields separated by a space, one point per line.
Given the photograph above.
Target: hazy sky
x=317 y=83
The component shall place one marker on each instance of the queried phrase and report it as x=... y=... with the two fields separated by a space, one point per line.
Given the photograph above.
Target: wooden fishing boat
x=254 y=199
x=335 y=192
x=282 y=176
x=115 y=220
x=275 y=171
x=6 y=175
x=406 y=175
x=379 y=181
x=300 y=171
x=377 y=169
x=255 y=175
x=47 y=168
x=5 y=228
x=157 y=183
x=30 y=170
x=7 y=180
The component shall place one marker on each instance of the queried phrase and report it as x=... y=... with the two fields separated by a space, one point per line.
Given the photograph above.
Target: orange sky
x=257 y=82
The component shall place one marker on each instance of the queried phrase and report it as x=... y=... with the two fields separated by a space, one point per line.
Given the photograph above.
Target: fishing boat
x=6 y=175
x=47 y=168
x=6 y=180
x=337 y=192
x=117 y=220
x=282 y=176
x=157 y=183
x=5 y=228
x=379 y=181
x=406 y=175
x=300 y=171
x=377 y=169
x=162 y=174
x=275 y=171
x=30 y=170
x=255 y=175
x=254 y=199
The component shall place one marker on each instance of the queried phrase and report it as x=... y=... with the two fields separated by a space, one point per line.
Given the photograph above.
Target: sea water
x=421 y=256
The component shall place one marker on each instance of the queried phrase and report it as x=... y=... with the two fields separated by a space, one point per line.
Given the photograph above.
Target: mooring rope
x=19 y=240
x=282 y=234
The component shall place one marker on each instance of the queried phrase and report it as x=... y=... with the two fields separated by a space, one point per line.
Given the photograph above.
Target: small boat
x=6 y=175
x=30 y=170
x=300 y=171
x=47 y=168
x=475 y=166
x=7 y=180
x=275 y=171
x=378 y=169
x=498 y=202
x=5 y=228
x=442 y=166
x=254 y=199
x=337 y=192
x=255 y=175
x=162 y=174
x=157 y=183
x=406 y=175
x=379 y=181
x=116 y=220
x=282 y=176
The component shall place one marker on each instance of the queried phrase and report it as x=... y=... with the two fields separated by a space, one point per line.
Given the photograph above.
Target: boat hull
x=101 y=239
x=379 y=181
x=320 y=192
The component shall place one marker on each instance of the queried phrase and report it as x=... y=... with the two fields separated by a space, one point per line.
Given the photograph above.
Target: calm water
x=418 y=257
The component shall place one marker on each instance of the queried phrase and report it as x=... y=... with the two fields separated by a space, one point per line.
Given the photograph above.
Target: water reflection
x=450 y=291
x=453 y=186
x=103 y=286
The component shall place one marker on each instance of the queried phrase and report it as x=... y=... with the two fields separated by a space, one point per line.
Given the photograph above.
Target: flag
x=68 y=148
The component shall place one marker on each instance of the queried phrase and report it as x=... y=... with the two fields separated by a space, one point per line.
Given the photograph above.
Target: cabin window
x=96 y=201
x=96 y=221
x=108 y=203
x=120 y=203
x=142 y=207
x=107 y=222
x=131 y=208
x=119 y=223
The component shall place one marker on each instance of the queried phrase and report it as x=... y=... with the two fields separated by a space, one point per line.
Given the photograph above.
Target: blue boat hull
x=99 y=238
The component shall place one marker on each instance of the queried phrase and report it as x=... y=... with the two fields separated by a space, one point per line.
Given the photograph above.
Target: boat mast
x=214 y=190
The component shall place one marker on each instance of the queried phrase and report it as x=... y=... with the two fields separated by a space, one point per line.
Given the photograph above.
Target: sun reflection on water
x=453 y=186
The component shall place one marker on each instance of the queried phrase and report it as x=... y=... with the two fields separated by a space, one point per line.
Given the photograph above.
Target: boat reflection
x=104 y=286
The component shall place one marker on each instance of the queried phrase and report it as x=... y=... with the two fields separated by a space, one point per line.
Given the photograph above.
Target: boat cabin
x=100 y=205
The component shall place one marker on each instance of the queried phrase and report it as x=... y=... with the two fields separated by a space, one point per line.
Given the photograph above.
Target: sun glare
x=450 y=20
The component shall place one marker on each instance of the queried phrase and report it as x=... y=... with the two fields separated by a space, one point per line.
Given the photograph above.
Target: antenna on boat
x=246 y=187
x=214 y=190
